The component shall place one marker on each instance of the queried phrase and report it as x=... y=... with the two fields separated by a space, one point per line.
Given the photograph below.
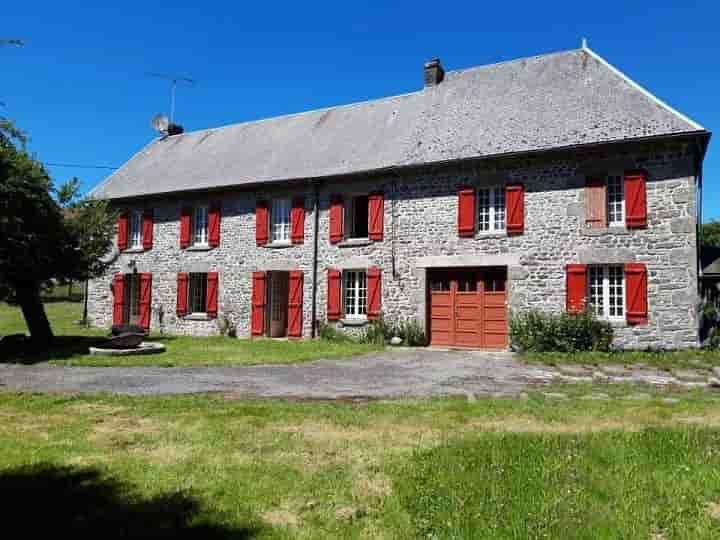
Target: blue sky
x=79 y=85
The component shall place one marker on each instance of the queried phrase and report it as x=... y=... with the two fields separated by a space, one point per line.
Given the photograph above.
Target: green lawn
x=208 y=467
x=691 y=358
x=73 y=341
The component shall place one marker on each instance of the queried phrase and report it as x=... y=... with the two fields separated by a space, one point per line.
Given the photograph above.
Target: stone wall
x=421 y=232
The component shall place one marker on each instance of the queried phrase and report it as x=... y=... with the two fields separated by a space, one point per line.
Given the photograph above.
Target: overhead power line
x=76 y=166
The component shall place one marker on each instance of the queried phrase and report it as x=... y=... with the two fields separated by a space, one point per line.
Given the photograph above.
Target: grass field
x=207 y=467
x=690 y=358
x=73 y=341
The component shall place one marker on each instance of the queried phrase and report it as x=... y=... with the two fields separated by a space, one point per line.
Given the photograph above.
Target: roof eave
x=703 y=134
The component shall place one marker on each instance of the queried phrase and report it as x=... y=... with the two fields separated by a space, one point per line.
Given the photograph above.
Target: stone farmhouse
x=553 y=182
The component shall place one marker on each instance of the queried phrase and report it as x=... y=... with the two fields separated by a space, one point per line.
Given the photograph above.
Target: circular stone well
x=144 y=348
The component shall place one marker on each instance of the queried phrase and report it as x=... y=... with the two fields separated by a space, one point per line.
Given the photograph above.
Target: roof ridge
x=513 y=61
x=375 y=100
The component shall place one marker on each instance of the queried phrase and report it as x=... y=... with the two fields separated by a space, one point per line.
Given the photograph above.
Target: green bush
x=412 y=333
x=381 y=331
x=329 y=333
x=378 y=332
x=544 y=332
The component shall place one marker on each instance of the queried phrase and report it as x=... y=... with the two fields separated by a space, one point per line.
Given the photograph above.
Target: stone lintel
x=453 y=261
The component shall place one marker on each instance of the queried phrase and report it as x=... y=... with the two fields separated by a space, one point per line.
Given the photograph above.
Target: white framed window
x=200 y=226
x=197 y=292
x=491 y=209
x=356 y=217
x=135 y=233
x=355 y=293
x=606 y=291
x=280 y=220
x=615 y=200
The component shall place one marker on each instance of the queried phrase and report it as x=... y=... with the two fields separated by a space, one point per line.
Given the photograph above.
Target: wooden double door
x=468 y=307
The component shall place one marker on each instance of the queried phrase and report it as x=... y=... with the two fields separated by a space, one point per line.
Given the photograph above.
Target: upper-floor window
x=136 y=230
x=615 y=200
x=356 y=217
x=491 y=209
x=197 y=292
x=355 y=293
x=280 y=220
x=200 y=226
x=606 y=291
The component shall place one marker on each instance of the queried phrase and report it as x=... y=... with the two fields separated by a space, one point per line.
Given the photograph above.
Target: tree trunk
x=28 y=296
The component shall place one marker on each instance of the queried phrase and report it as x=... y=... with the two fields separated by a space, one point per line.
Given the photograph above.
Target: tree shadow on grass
x=69 y=500
x=62 y=348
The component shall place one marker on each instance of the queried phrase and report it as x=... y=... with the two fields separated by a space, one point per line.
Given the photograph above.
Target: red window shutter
x=636 y=308
x=185 y=226
x=374 y=293
x=295 y=304
x=635 y=199
x=515 y=208
x=376 y=216
x=337 y=209
x=214 y=216
x=262 y=223
x=576 y=287
x=466 y=212
x=257 y=315
x=122 y=227
x=118 y=298
x=182 y=294
x=334 y=291
x=145 y=298
x=297 y=221
x=596 y=202
x=211 y=300
x=147 y=228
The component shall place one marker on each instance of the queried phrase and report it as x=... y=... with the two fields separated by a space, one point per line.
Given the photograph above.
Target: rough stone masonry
x=420 y=233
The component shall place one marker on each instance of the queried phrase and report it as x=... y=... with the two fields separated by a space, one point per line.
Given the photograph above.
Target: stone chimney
x=434 y=72
x=175 y=129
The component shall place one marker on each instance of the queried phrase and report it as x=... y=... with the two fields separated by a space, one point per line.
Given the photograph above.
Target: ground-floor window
x=606 y=291
x=355 y=293
x=131 y=300
x=197 y=292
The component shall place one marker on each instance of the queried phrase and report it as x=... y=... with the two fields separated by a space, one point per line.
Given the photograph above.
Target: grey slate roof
x=549 y=101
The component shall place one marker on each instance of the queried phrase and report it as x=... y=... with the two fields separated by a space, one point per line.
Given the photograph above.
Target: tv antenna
x=174 y=81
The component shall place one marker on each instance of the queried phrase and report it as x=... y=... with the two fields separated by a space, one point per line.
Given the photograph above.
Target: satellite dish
x=160 y=123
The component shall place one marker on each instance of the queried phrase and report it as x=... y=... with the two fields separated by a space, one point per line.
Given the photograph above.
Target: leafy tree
x=711 y=233
x=40 y=239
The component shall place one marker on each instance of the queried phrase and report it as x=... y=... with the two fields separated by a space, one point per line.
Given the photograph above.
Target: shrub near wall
x=535 y=331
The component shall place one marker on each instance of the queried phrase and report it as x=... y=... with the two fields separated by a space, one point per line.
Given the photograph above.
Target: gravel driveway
x=395 y=373
x=390 y=374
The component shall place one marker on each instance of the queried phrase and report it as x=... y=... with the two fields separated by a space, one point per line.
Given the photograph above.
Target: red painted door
x=468 y=308
x=442 y=321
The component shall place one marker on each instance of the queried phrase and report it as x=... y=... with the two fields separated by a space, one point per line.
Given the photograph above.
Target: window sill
x=355 y=242
x=613 y=230
x=491 y=234
x=134 y=250
x=198 y=248
x=354 y=322
x=197 y=317
x=278 y=245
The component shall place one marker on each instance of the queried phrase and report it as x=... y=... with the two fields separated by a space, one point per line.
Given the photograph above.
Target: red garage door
x=467 y=308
